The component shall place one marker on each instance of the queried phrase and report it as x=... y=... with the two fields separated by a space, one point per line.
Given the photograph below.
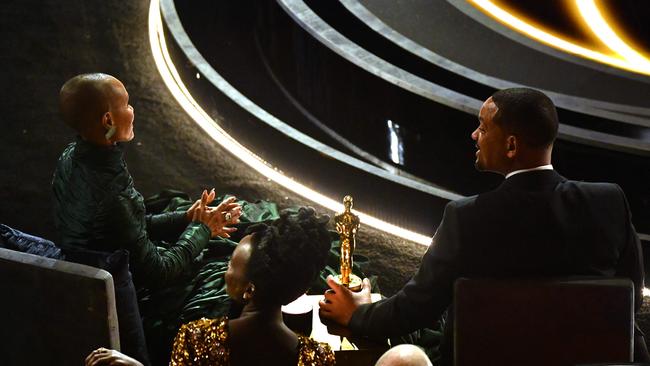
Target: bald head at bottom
x=404 y=355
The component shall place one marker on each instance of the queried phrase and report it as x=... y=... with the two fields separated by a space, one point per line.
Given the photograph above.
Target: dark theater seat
x=53 y=312
x=559 y=322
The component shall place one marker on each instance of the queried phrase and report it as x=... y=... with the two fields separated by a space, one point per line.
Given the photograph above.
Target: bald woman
x=96 y=204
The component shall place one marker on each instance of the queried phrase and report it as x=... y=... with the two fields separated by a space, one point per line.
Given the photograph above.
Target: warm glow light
x=595 y=21
x=646 y=292
x=175 y=85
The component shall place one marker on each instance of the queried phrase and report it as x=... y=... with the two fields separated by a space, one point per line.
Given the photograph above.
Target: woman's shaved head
x=84 y=99
x=97 y=107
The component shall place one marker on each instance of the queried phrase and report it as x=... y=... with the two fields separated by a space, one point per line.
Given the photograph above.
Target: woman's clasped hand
x=216 y=218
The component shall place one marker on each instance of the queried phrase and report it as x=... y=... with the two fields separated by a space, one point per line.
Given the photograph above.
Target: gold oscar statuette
x=347 y=225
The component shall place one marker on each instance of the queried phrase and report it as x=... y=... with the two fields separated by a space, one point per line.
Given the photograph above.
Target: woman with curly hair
x=271 y=266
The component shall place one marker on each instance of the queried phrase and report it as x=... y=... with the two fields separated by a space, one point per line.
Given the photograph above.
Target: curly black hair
x=287 y=255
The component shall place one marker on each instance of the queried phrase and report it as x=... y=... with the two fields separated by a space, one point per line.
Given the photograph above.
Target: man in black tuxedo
x=536 y=223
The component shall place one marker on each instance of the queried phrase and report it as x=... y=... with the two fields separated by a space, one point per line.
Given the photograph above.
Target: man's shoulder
x=466 y=208
x=568 y=188
x=591 y=189
x=589 y=185
x=464 y=202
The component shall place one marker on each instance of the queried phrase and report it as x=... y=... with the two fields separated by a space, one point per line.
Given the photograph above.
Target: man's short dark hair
x=528 y=114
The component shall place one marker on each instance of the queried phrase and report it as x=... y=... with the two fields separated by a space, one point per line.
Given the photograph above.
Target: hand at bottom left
x=103 y=356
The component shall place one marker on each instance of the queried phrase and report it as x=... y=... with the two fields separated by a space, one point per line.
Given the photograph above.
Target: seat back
x=53 y=312
x=549 y=322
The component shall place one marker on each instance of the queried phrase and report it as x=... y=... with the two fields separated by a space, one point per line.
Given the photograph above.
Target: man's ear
x=511 y=146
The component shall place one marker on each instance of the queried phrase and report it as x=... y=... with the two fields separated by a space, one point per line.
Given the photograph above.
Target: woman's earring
x=110 y=133
x=246 y=296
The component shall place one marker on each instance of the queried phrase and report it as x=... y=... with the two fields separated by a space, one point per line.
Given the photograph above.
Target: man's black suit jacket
x=534 y=224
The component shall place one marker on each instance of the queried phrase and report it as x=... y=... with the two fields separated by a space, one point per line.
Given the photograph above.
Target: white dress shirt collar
x=541 y=167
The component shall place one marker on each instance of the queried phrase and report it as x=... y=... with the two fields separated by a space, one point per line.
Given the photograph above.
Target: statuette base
x=355 y=285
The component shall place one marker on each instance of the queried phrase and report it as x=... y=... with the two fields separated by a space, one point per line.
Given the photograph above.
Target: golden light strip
x=175 y=85
x=522 y=26
x=597 y=23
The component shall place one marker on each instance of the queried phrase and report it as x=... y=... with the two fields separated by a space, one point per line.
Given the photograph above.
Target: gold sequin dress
x=205 y=342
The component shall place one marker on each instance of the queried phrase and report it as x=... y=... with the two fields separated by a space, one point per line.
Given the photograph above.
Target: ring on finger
x=227 y=216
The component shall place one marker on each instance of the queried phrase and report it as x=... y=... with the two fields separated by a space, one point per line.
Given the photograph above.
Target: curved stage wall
x=263 y=53
x=311 y=167
x=481 y=48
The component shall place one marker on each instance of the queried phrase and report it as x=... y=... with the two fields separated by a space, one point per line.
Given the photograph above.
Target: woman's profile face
x=121 y=113
x=236 y=280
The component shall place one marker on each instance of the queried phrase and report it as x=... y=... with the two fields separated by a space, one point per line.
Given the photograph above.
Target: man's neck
x=540 y=167
x=527 y=158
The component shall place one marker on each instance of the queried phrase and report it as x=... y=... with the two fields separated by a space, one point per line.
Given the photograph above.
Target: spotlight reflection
x=624 y=58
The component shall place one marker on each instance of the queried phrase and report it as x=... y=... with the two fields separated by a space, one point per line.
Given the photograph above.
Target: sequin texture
x=205 y=342
x=201 y=342
x=311 y=353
